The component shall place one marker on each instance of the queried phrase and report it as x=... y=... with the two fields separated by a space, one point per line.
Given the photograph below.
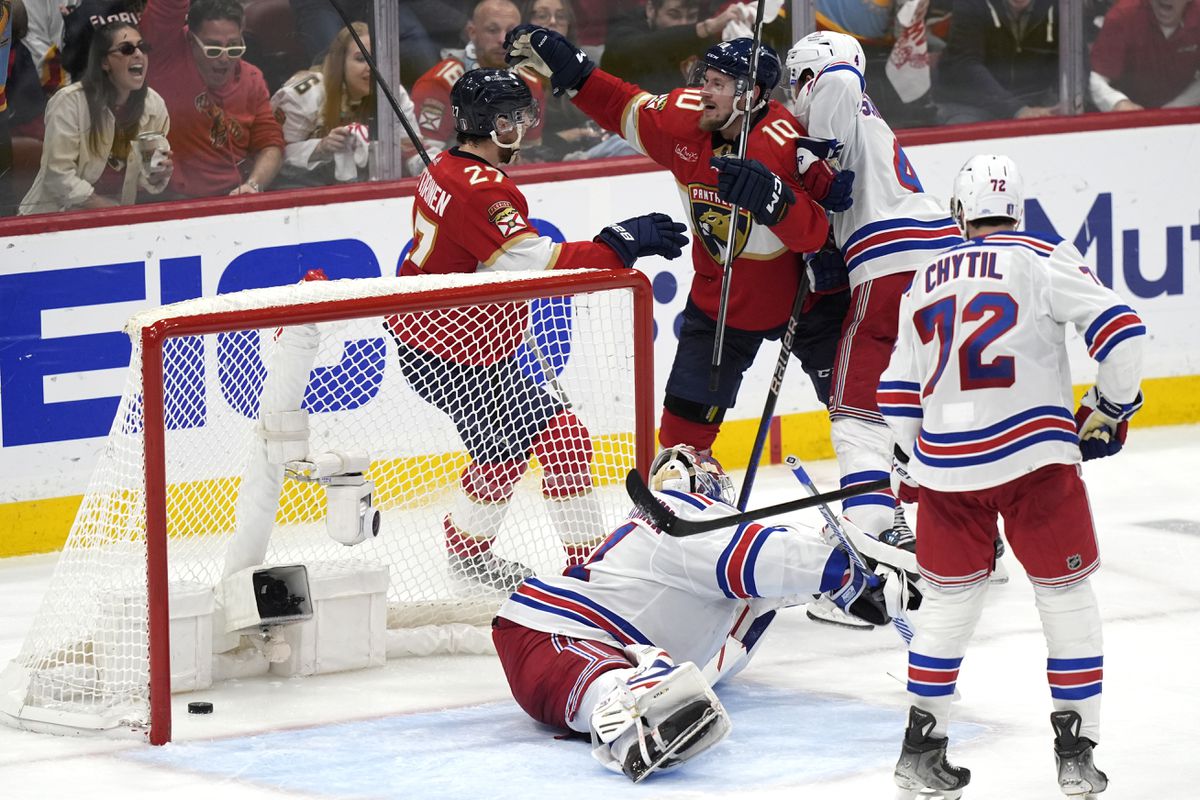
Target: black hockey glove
x=826 y=270
x=647 y=235
x=551 y=54
x=749 y=184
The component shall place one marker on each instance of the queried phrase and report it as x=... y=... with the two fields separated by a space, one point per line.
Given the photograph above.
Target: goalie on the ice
x=610 y=648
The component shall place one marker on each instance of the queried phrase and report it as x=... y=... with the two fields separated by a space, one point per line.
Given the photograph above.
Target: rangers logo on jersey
x=506 y=218
x=710 y=220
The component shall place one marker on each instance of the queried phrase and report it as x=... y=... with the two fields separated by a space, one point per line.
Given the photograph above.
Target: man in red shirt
x=692 y=132
x=470 y=217
x=1147 y=56
x=490 y=22
x=224 y=134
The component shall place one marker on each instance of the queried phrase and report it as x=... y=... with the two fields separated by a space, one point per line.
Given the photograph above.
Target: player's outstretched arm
x=549 y=53
x=647 y=235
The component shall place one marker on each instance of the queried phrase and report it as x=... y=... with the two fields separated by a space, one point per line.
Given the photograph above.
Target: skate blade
x=849 y=626
x=691 y=732
x=928 y=794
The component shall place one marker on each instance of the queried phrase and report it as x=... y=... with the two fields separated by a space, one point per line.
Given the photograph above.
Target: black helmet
x=487 y=100
x=733 y=58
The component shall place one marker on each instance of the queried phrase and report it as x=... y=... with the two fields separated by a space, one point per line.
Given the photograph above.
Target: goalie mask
x=987 y=187
x=683 y=469
x=491 y=102
x=733 y=59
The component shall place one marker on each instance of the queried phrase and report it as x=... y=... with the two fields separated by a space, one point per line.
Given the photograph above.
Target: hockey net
x=182 y=495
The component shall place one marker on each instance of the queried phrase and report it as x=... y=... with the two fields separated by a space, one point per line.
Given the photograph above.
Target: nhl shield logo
x=1074 y=562
x=710 y=221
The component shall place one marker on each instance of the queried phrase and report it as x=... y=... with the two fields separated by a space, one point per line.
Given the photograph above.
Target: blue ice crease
x=780 y=739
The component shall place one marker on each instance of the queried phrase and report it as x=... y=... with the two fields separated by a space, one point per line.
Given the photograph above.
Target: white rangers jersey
x=299 y=105
x=978 y=390
x=681 y=594
x=893 y=225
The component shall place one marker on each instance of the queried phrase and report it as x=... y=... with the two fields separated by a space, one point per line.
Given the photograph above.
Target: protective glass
x=216 y=51
x=524 y=118
x=128 y=48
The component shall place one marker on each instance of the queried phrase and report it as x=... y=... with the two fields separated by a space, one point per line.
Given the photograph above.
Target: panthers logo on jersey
x=506 y=218
x=710 y=221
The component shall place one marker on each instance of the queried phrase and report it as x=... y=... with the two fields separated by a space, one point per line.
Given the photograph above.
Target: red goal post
x=587 y=343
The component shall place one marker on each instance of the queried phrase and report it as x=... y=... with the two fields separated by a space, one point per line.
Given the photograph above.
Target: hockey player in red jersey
x=470 y=217
x=490 y=21
x=693 y=132
x=978 y=395
x=615 y=647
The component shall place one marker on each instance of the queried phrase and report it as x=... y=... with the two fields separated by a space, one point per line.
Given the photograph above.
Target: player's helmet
x=684 y=469
x=818 y=50
x=490 y=101
x=987 y=186
x=733 y=58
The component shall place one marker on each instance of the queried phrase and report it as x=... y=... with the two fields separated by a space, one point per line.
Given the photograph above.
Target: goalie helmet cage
x=183 y=496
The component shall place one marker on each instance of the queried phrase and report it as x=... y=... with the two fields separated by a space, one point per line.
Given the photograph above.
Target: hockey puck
x=200 y=707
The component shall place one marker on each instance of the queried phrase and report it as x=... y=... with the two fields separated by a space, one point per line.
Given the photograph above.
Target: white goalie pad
x=663 y=716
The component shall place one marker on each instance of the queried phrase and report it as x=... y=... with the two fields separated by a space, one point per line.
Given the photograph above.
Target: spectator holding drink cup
x=92 y=156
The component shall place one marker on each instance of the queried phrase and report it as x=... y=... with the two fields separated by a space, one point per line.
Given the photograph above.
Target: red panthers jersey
x=431 y=95
x=469 y=216
x=767 y=264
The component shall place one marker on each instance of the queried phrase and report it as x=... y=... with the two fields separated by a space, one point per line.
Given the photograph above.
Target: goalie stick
x=672 y=525
x=899 y=619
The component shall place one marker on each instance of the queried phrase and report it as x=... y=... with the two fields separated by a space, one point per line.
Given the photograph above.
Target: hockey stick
x=670 y=524
x=547 y=369
x=764 y=423
x=899 y=619
x=714 y=373
x=383 y=85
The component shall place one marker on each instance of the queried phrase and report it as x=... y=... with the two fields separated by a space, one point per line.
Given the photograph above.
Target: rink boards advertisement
x=1126 y=197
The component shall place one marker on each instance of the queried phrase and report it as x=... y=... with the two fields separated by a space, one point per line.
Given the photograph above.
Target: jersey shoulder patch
x=507 y=218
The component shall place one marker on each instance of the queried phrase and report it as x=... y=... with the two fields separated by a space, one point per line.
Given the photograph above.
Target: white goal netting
x=498 y=428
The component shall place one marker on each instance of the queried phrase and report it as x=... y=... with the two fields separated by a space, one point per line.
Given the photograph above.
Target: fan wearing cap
x=693 y=132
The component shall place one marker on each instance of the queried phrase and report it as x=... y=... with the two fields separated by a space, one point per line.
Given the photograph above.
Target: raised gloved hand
x=830 y=187
x=647 y=235
x=1102 y=424
x=749 y=184
x=549 y=53
x=903 y=486
x=826 y=270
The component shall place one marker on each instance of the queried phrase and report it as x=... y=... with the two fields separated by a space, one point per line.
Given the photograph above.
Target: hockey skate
x=1077 y=775
x=473 y=562
x=900 y=535
x=923 y=771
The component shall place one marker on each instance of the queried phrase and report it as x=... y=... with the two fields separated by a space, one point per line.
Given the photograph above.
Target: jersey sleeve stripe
x=899 y=399
x=630 y=121
x=1110 y=328
x=504 y=249
x=735 y=567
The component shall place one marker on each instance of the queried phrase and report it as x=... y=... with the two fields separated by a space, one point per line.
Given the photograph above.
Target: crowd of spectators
x=89 y=82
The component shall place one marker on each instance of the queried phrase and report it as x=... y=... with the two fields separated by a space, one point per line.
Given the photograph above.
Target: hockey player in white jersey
x=978 y=394
x=610 y=648
x=891 y=228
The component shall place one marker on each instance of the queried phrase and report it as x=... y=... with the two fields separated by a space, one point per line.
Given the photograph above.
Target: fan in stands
x=502 y=414
x=612 y=647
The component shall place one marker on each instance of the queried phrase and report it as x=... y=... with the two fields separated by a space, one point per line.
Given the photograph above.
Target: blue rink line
x=780 y=739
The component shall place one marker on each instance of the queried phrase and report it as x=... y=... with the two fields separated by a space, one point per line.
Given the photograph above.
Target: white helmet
x=820 y=49
x=684 y=469
x=987 y=186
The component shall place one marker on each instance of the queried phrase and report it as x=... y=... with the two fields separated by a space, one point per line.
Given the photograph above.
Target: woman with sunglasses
x=223 y=130
x=325 y=114
x=89 y=155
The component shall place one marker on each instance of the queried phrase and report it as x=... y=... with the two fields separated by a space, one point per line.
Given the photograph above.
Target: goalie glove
x=548 y=53
x=1102 y=424
x=858 y=593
